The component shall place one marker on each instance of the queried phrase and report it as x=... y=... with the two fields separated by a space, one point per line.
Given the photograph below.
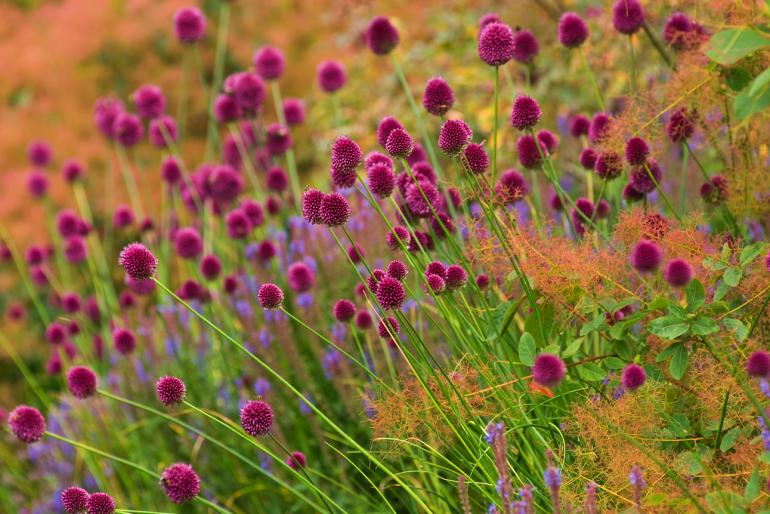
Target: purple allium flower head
x=381 y=180
x=680 y=126
x=345 y=158
x=257 y=418
x=127 y=129
x=422 y=198
x=418 y=155
x=300 y=277
x=438 y=97
x=55 y=333
x=397 y=270
x=374 y=279
x=100 y=503
x=390 y=293
x=630 y=194
x=123 y=216
x=646 y=256
x=170 y=390
x=72 y=170
x=296 y=460
x=511 y=187
x=37 y=183
x=39 y=153
x=436 y=268
x=525 y=46
x=238 y=224
x=548 y=370
x=266 y=250
x=81 y=382
x=123 y=340
x=526 y=112
x=276 y=179
x=476 y=158
x=149 y=101
x=188 y=243
x=210 y=267
x=388 y=328
x=67 y=224
x=678 y=272
x=579 y=126
x=398 y=236
x=529 y=153
x=270 y=296
x=331 y=76
x=627 y=16
x=269 y=62
x=170 y=170
x=399 y=143
x=106 y=109
x=311 y=205
x=758 y=364
x=224 y=184
x=334 y=210
x=496 y=44
x=74 y=500
x=381 y=36
x=634 y=377
x=253 y=211
x=364 y=320
x=487 y=19
x=588 y=158
x=548 y=140
x=387 y=125
x=482 y=281
x=603 y=209
x=608 y=165
x=249 y=91
x=356 y=252
x=344 y=310
x=26 y=423
x=163 y=131
x=456 y=277
x=637 y=151
x=226 y=108
x=189 y=24
x=278 y=139
x=434 y=283
x=374 y=158
x=573 y=31
x=138 y=262
x=75 y=249
x=600 y=125
x=454 y=136
x=682 y=33
x=34 y=255
x=424 y=171
x=180 y=482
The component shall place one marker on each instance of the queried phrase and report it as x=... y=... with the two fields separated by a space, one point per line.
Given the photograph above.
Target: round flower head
x=355 y=252
x=189 y=24
x=270 y=296
x=238 y=224
x=26 y=423
x=39 y=153
x=346 y=155
x=579 y=126
x=210 y=267
x=381 y=180
x=548 y=370
x=418 y=155
x=74 y=500
x=646 y=256
x=180 y=482
x=637 y=151
x=334 y=210
x=609 y=165
x=278 y=139
x=476 y=158
x=149 y=101
x=529 y=151
x=627 y=16
x=454 y=136
x=634 y=377
x=381 y=35
x=603 y=209
x=276 y=180
x=456 y=277
x=248 y=91
x=588 y=158
x=138 y=262
x=257 y=418
x=127 y=129
x=422 y=198
x=123 y=340
x=72 y=171
x=269 y=62
x=37 y=183
x=374 y=279
x=680 y=126
x=390 y=293
x=434 y=284
x=331 y=76
x=225 y=184
x=364 y=320
x=81 y=382
x=397 y=270
x=573 y=31
x=170 y=390
x=399 y=143
x=436 y=268
x=496 y=44
x=600 y=126
x=105 y=111
x=55 y=333
x=344 y=310
x=300 y=277
x=294 y=111
x=399 y=236
x=682 y=33
x=266 y=250
x=548 y=140
x=525 y=46
x=374 y=158
x=170 y=171
x=678 y=272
x=388 y=328
x=438 y=97
x=296 y=460
x=511 y=187
x=311 y=205
x=100 y=503
x=482 y=281
x=757 y=365
x=387 y=125
x=525 y=113
x=487 y=19
x=424 y=171
x=188 y=243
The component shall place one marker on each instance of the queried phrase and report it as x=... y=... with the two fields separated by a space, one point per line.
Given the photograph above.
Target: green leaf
x=732 y=276
x=721 y=291
x=704 y=326
x=729 y=440
x=738 y=327
x=751 y=252
x=744 y=104
x=759 y=82
x=615 y=363
x=591 y=372
x=751 y=492
x=737 y=78
x=527 y=349
x=696 y=295
x=731 y=45
x=679 y=362
x=668 y=327
x=595 y=324
x=572 y=348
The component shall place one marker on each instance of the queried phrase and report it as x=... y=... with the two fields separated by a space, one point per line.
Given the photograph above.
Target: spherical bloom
x=344 y=310
x=422 y=198
x=266 y=250
x=397 y=270
x=417 y=156
x=37 y=183
x=123 y=340
x=637 y=151
x=238 y=224
x=296 y=460
x=387 y=125
x=548 y=140
x=294 y=111
x=397 y=237
x=334 y=210
x=331 y=76
x=511 y=187
x=248 y=91
x=529 y=151
x=454 y=136
x=526 y=112
x=588 y=158
x=127 y=129
x=188 y=243
x=55 y=333
x=81 y=382
x=476 y=158
x=496 y=44
x=210 y=267
x=757 y=365
x=579 y=126
x=270 y=296
x=573 y=31
x=634 y=377
x=678 y=272
x=363 y=320
x=74 y=500
x=682 y=33
x=381 y=180
x=180 y=482
x=100 y=503
x=346 y=154
x=278 y=139
x=609 y=165
x=381 y=35
x=171 y=171
x=399 y=143
x=162 y=131
x=72 y=171
x=149 y=101
x=680 y=126
x=105 y=111
x=26 y=423
x=300 y=277
x=627 y=16
x=67 y=223
x=224 y=184
x=374 y=158
x=170 y=390
x=548 y=370
x=257 y=418
x=276 y=180
x=603 y=209
x=424 y=171
x=482 y=281
x=311 y=205
x=434 y=284
x=525 y=46
x=436 y=268
x=600 y=126
x=355 y=252
x=646 y=256
x=438 y=97
x=388 y=328
x=226 y=108
x=715 y=190
x=123 y=216
x=456 y=277
x=138 y=262
x=269 y=62
x=374 y=279
x=487 y=19
x=39 y=153
x=390 y=293
x=189 y=24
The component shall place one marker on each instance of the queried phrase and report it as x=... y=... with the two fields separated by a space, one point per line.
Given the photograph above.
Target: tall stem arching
x=592 y=78
x=494 y=128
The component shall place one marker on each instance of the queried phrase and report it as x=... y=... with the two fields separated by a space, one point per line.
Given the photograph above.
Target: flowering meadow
x=513 y=262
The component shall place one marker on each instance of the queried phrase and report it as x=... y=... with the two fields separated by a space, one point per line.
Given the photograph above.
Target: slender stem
x=632 y=63
x=592 y=77
x=291 y=162
x=219 y=69
x=494 y=129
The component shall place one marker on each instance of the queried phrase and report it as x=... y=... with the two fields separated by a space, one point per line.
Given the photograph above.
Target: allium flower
x=758 y=364
x=529 y=153
x=276 y=179
x=434 y=283
x=180 y=482
x=526 y=112
x=646 y=256
x=248 y=91
x=72 y=171
x=525 y=46
x=579 y=126
x=548 y=370
x=381 y=180
x=387 y=125
x=548 y=140
x=482 y=281
x=26 y=423
x=225 y=184
x=454 y=137
x=436 y=268
x=300 y=277
x=363 y=320
x=356 y=252
x=680 y=126
x=238 y=224
x=210 y=267
x=127 y=129
x=424 y=171
x=188 y=243
x=106 y=110
x=39 y=153
x=55 y=333
x=438 y=97
x=81 y=382
x=390 y=293
x=496 y=44
x=644 y=178
x=294 y=111
x=456 y=277
x=296 y=460
x=257 y=418
x=637 y=151
x=269 y=62
x=170 y=390
x=397 y=270
x=388 y=328
x=573 y=31
x=399 y=236
x=634 y=377
x=270 y=296
x=678 y=272
x=149 y=101
x=334 y=210
x=311 y=205
x=381 y=36
x=138 y=262
x=418 y=155
x=123 y=340
x=627 y=16
x=600 y=125
x=189 y=24
x=374 y=158
x=74 y=500
x=331 y=76
x=345 y=158
x=422 y=198
x=170 y=170
x=399 y=143
x=344 y=310
x=278 y=139
x=37 y=183
x=682 y=33
x=100 y=503
x=511 y=187
x=487 y=19
x=476 y=158
x=609 y=165
x=226 y=108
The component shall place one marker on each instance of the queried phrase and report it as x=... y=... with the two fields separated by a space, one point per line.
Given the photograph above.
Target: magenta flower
x=180 y=482
x=634 y=377
x=170 y=390
x=678 y=272
x=525 y=113
x=269 y=62
x=257 y=418
x=573 y=31
x=74 y=500
x=438 y=97
x=138 y=262
x=189 y=24
x=100 y=503
x=81 y=382
x=331 y=76
x=548 y=370
x=496 y=44
x=627 y=16
x=381 y=36
x=270 y=296
x=525 y=46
